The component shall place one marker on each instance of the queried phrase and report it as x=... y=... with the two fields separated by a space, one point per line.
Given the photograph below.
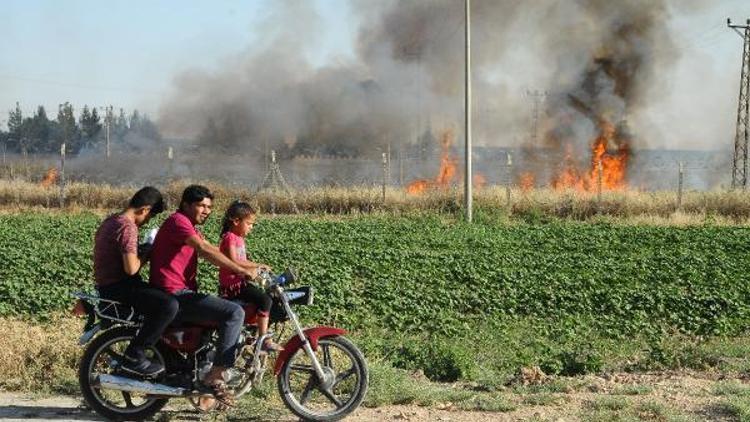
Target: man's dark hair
x=148 y=196
x=195 y=193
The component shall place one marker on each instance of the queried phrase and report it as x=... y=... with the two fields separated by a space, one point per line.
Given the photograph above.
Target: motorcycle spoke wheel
x=338 y=394
x=105 y=362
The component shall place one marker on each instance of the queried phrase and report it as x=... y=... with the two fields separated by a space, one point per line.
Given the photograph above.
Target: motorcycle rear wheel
x=98 y=358
x=304 y=394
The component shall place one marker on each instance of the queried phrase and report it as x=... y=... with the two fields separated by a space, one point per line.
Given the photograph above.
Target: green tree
x=120 y=126
x=90 y=127
x=68 y=129
x=16 y=134
x=40 y=132
x=148 y=129
x=135 y=121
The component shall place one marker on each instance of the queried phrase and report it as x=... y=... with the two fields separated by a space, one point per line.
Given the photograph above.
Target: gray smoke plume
x=606 y=62
x=408 y=72
x=596 y=59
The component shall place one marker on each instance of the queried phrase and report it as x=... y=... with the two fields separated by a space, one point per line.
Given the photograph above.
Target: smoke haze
x=595 y=59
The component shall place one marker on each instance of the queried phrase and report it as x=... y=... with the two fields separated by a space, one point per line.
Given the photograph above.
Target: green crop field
x=545 y=293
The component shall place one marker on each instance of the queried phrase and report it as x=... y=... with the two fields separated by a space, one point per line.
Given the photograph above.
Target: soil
x=691 y=395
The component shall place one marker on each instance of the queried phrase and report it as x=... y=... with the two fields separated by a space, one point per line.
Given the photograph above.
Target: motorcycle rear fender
x=89 y=334
x=294 y=343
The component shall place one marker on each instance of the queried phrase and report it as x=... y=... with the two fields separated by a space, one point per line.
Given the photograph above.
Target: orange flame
x=478 y=181
x=526 y=181
x=447 y=171
x=418 y=186
x=613 y=165
x=50 y=178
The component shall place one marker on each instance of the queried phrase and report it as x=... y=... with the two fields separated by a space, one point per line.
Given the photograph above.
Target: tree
x=135 y=121
x=148 y=130
x=90 y=127
x=120 y=127
x=40 y=132
x=15 y=129
x=68 y=130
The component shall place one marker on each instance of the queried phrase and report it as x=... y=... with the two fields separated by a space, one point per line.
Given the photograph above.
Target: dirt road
x=646 y=397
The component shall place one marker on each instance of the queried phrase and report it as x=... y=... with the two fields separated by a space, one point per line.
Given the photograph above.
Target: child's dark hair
x=236 y=210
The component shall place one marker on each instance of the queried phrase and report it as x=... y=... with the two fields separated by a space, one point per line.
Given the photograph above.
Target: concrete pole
x=467 y=117
x=599 y=181
x=62 y=175
x=385 y=173
x=680 y=179
x=509 y=179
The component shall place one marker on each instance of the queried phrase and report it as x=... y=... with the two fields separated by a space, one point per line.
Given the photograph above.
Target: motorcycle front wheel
x=341 y=392
x=102 y=356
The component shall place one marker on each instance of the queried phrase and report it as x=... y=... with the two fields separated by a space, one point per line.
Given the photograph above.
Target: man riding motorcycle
x=116 y=266
x=174 y=266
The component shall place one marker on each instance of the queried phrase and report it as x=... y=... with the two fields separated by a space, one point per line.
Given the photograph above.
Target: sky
x=128 y=54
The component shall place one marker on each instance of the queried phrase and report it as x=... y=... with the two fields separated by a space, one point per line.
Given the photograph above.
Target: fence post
x=599 y=182
x=508 y=179
x=680 y=178
x=385 y=173
x=170 y=157
x=401 y=165
x=62 y=175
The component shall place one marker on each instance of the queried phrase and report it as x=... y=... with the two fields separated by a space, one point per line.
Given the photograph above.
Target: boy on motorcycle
x=174 y=266
x=116 y=266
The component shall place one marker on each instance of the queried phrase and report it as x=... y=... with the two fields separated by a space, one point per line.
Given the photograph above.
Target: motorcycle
x=321 y=375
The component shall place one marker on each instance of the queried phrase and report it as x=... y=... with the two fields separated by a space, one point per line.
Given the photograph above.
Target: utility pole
x=537 y=98
x=385 y=173
x=62 y=175
x=467 y=116
x=274 y=182
x=739 y=163
x=109 y=117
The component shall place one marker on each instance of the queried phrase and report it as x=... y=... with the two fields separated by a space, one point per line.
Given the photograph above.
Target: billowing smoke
x=597 y=60
x=602 y=76
x=408 y=75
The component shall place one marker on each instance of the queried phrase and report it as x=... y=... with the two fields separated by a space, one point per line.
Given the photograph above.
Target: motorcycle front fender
x=313 y=335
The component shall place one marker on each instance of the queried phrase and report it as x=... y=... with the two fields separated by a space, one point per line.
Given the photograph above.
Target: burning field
x=447 y=175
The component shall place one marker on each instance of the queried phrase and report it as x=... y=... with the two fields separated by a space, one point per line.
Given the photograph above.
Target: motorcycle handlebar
x=270 y=281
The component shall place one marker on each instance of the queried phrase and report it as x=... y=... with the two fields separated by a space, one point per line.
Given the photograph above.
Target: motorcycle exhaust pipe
x=115 y=382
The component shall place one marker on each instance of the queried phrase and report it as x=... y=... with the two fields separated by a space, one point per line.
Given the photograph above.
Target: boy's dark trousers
x=157 y=307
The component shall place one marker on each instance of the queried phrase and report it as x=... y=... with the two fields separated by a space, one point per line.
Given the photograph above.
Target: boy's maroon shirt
x=116 y=236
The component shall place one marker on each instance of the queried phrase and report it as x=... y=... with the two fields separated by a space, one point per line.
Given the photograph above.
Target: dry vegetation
x=718 y=207
x=39 y=357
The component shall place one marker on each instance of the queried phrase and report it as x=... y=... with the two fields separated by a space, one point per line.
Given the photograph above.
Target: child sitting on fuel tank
x=239 y=220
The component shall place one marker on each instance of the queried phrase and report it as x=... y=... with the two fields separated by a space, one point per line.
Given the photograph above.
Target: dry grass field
x=713 y=207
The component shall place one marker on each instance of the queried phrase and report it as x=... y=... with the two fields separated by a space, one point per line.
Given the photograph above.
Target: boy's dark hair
x=195 y=193
x=236 y=210
x=148 y=196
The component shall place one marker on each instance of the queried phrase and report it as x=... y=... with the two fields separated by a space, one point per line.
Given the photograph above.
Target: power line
x=77 y=85
x=739 y=163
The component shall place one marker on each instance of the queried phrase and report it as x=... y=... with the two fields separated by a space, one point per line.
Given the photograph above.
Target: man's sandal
x=222 y=394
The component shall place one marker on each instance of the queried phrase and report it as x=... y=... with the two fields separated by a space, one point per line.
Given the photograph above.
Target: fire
x=478 y=181
x=50 y=178
x=613 y=165
x=448 y=172
x=418 y=186
x=526 y=181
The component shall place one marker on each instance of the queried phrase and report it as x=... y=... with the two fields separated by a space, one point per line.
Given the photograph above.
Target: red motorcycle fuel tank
x=184 y=339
